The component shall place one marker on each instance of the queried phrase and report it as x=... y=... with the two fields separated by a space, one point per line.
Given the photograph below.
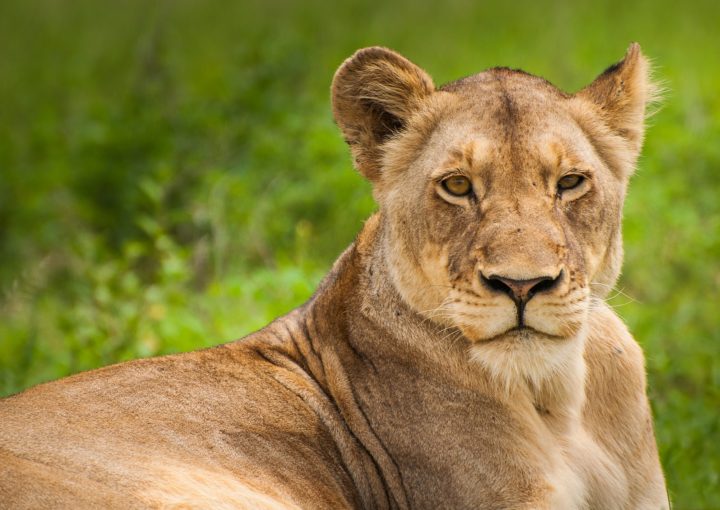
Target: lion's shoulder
x=611 y=351
x=617 y=411
x=616 y=396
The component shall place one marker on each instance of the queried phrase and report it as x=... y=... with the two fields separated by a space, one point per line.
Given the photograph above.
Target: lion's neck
x=549 y=377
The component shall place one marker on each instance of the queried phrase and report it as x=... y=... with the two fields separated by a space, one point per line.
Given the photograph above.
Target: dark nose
x=521 y=291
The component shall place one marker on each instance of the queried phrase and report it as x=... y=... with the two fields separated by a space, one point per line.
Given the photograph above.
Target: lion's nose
x=521 y=291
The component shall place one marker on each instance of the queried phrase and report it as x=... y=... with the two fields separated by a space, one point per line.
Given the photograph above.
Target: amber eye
x=457 y=185
x=569 y=182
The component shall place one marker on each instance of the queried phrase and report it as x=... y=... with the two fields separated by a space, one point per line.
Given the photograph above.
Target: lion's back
x=215 y=426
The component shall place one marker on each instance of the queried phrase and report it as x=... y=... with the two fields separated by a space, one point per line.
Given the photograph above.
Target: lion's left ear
x=622 y=94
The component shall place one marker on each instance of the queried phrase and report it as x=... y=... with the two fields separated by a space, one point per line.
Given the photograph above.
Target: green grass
x=170 y=176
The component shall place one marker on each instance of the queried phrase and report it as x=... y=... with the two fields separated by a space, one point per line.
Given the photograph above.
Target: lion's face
x=500 y=195
x=504 y=215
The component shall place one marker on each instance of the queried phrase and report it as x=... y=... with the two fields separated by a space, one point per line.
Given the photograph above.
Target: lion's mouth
x=522 y=333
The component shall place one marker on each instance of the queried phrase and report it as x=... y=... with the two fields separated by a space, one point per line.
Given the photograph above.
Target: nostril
x=520 y=291
x=497 y=284
x=545 y=284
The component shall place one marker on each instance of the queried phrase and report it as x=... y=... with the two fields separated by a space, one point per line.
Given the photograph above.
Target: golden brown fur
x=419 y=375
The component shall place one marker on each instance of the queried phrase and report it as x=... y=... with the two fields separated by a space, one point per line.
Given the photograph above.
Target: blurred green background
x=171 y=178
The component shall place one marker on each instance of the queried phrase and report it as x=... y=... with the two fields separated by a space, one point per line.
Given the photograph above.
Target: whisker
x=558 y=315
x=618 y=292
x=452 y=337
x=620 y=305
x=565 y=303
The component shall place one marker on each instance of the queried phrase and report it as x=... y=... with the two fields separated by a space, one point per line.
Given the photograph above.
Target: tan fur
x=405 y=381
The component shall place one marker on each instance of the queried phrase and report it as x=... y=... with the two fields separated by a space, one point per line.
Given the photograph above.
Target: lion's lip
x=523 y=333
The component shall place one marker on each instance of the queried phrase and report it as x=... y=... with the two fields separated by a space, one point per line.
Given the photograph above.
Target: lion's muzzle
x=520 y=291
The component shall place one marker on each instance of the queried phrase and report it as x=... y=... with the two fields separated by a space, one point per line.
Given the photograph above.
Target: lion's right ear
x=374 y=93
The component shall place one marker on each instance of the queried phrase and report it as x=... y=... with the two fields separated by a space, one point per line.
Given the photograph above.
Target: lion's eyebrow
x=453 y=161
x=467 y=152
x=446 y=170
x=566 y=156
x=456 y=155
x=558 y=150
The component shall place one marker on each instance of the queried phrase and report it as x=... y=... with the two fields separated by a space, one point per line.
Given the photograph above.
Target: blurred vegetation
x=171 y=178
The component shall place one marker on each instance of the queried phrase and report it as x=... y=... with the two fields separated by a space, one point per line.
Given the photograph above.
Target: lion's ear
x=374 y=93
x=622 y=94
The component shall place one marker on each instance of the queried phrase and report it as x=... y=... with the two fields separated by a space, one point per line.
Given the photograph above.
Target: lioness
x=458 y=355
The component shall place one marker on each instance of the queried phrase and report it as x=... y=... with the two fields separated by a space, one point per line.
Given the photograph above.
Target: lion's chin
x=526 y=354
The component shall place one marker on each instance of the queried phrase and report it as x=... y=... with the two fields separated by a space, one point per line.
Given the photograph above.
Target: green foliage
x=170 y=176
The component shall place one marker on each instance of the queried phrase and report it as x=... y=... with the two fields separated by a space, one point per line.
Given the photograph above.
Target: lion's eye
x=457 y=185
x=569 y=182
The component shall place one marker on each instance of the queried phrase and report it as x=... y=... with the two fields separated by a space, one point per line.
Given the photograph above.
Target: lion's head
x=500 y=195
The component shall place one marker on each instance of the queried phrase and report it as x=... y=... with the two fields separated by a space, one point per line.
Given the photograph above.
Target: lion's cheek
x=557 y=321
x=594 y=257
x=487 y=327
x=421 y=280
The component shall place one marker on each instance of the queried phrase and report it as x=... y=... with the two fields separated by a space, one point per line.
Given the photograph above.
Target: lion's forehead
x=471 y=142
x=516 y=122
x=517 y=127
